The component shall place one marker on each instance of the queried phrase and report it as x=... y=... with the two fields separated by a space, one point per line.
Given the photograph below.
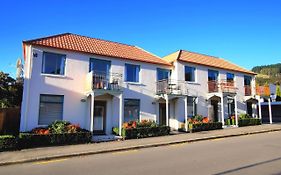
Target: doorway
x=99 y=117
x=162 y=114
x=215 y=106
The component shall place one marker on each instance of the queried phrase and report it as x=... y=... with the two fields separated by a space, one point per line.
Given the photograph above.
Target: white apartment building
x=100 y=84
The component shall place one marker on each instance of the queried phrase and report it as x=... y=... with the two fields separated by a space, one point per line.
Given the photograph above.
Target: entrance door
x=99 y=117
x=214 y=104
x=249 y=109
x=162 y=113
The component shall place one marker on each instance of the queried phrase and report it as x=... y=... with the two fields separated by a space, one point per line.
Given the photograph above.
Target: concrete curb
x=135 y=147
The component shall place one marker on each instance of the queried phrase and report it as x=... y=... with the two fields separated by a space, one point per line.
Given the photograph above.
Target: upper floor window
x=99 y=66
x=229 y=77
x=163 y=74
x=189 y=73
x=213 y=75
x=247 y=80
x=132 y=73
x=53 y=63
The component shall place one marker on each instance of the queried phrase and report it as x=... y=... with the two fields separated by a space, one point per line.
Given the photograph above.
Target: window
x=131 y=110
x=229 y=77
x=53 y=63
x=50 y=109
x=247 y=80
x=189 y=74
x=213 y=75
x=191 y=106
x=132 y=73
x=163 y=74
x=99 y=66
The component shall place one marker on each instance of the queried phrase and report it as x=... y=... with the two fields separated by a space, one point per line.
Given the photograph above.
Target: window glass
x=53 y=63
x=132 y=72
x=163 y=74
x=191 y=106
x=189 y=73
x=100 y=66
x=131 y=110
x=50 y=109
x=247 y=80
x=230 y=77
x=213 y=75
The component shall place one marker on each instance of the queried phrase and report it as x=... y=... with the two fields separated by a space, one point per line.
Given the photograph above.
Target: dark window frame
x=193 y=73
x=63 y=56
x=135 y=79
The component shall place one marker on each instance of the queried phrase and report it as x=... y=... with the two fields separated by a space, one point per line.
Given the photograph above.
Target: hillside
x=268 y=73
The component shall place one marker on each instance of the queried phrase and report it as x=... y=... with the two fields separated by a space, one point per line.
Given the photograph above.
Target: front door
x=99 y=117
x=214 y=104
x=162 y=113
x=249 y=109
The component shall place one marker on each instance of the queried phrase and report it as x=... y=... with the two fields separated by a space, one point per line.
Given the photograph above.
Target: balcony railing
x=104 y=81
x=169 y=86
x=221 y=86
x=263 y=90
x=248 y=90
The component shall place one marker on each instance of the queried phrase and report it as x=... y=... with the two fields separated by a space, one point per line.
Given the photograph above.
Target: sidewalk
x=46 y=153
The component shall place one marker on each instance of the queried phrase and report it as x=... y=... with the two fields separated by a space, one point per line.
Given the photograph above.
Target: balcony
x=263 y=91
x=248 y=90
x=171 y=87
x=103 y=81
x=223 y=86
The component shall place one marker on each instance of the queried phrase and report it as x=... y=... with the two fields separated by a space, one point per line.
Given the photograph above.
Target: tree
x=10 y=91
x=278 y=92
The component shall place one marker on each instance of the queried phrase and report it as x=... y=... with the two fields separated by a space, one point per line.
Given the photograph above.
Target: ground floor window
x=131 y=110
x=191 y=106
x=231 y=107
x=50 y=108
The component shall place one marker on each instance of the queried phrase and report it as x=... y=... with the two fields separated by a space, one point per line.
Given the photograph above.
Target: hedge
x=204 y=126
x=249 y=122
x=27 y=140
x=8 y=142
x=142 y=132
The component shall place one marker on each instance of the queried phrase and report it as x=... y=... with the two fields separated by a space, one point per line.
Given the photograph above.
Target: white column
x=260 y=108
x=167 y=110
x=185 y=113
x=235 y=109
x=121 y=109
x=222 y=110
x=92 y=112
x=269 y=110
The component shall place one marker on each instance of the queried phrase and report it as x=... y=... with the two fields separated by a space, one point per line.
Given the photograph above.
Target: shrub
x=27 y=140
x=142 y=132
x=7 y=142
x=196 y=127
x=244 y=116
x=249 y=122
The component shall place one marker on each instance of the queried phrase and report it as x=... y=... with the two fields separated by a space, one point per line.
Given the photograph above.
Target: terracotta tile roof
x=73 y=42
x=206 y=60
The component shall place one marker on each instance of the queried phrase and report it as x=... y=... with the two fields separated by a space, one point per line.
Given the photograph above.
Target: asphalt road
x=254 y=154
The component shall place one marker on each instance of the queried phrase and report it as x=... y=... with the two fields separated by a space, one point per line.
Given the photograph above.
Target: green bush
x=204 y=126
x=142 y=132
x=249 y=122
x=28 y=140
x=58 y=126
x=244 y=116
x=8 y=142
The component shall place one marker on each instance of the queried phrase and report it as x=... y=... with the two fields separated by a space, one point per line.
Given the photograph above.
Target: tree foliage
x=272 y=72
x=10 y=91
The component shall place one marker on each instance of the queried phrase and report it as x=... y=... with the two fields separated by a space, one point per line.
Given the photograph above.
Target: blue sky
x=245 y=32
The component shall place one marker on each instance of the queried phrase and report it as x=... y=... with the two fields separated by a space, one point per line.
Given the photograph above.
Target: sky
x=245 y=32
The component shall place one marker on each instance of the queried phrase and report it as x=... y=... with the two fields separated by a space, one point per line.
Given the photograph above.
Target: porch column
x=222 y=110
x=121 y=109
x=269 y=110
x=185 y=113
x=260 y=107
x=235 y=110
x=157 y=112
x=92 y=112
x=167 y=110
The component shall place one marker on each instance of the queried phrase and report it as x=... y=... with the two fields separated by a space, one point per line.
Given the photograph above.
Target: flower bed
x=57 y=133
x=200 y=123
x=145 y=128
x=8 y=142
